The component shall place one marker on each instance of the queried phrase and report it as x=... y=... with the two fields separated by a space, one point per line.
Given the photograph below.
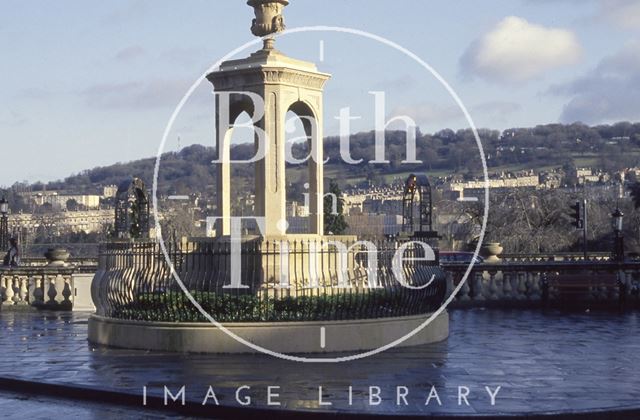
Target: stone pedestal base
x=282 y=337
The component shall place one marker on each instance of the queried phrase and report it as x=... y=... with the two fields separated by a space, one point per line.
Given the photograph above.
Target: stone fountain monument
x=331 y=299
x=284 y=84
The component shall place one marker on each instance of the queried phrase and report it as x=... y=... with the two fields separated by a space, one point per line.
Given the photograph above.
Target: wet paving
x=34 y=407
x=543 y=361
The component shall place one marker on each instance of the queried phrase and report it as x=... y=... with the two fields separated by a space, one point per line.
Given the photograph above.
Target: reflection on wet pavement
x=542 y=360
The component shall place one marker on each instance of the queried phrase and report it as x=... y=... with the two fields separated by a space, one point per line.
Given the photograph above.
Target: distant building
x=550 y=180
x=377 y=200
x=86 y=201
x=59 y=200
x=353 y=204
x=458 y=188
x=71 y=221
x=629 y=174
x=588 y=175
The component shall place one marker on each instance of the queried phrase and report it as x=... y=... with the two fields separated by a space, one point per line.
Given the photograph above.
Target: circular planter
x=57 y=257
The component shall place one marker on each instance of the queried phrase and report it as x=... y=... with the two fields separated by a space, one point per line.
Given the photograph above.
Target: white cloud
x=517 y=51
x=607 y=93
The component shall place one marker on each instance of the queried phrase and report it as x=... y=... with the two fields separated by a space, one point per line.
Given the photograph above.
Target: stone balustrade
x=84 y=264
x=40 y=287
x=545 y=282
x=528 y=280
x=556 y=256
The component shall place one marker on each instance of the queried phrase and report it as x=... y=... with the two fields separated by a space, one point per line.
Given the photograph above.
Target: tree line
x=610 y=147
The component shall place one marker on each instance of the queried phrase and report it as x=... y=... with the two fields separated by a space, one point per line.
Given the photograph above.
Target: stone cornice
x=233 y=79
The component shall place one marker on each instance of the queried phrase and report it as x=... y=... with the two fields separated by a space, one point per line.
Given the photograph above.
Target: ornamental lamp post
x=4 y=224
x=617 y=216
x=618 y=250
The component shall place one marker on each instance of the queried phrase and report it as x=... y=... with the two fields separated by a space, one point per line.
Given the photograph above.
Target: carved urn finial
x=269 y=19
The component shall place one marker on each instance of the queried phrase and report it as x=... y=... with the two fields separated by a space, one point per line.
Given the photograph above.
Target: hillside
x=610 y=147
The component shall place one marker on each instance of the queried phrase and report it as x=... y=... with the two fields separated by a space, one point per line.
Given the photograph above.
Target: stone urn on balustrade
x=57 y=257
x=491 y=251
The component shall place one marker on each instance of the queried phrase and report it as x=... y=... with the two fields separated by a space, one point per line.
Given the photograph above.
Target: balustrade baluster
x=51 y=291
x=534 y=291
x=465 y=290
x=16 y=289
x=493 y=286
x=38 y=292
x=59 y=285
x=595 y=291
x=30 y=289
x=615 y=290
x=478 y=286
x=450 y=286
x=628 y=279
x=603 y=291
x=23 y=291
x=522 y=285
x=633 y=282
x=3 y=287
x=8 y=292
x=66 y=292
x=507 y=288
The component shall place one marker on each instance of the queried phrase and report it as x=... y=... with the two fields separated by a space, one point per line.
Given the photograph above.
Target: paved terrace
x=545 y=362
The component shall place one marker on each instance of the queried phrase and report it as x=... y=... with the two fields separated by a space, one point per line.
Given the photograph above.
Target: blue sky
x=88 y=83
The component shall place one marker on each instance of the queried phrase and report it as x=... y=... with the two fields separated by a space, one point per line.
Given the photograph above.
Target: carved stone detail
x=269 y=18
x=223 y=81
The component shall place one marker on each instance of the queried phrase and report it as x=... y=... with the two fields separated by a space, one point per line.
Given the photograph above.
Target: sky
x=87 y=83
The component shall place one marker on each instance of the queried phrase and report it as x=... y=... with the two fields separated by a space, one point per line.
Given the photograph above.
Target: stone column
x=316 y=176
x=270 y=182
x=223 y=175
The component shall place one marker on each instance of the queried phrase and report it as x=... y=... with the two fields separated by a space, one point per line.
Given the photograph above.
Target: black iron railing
x=294 y=280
